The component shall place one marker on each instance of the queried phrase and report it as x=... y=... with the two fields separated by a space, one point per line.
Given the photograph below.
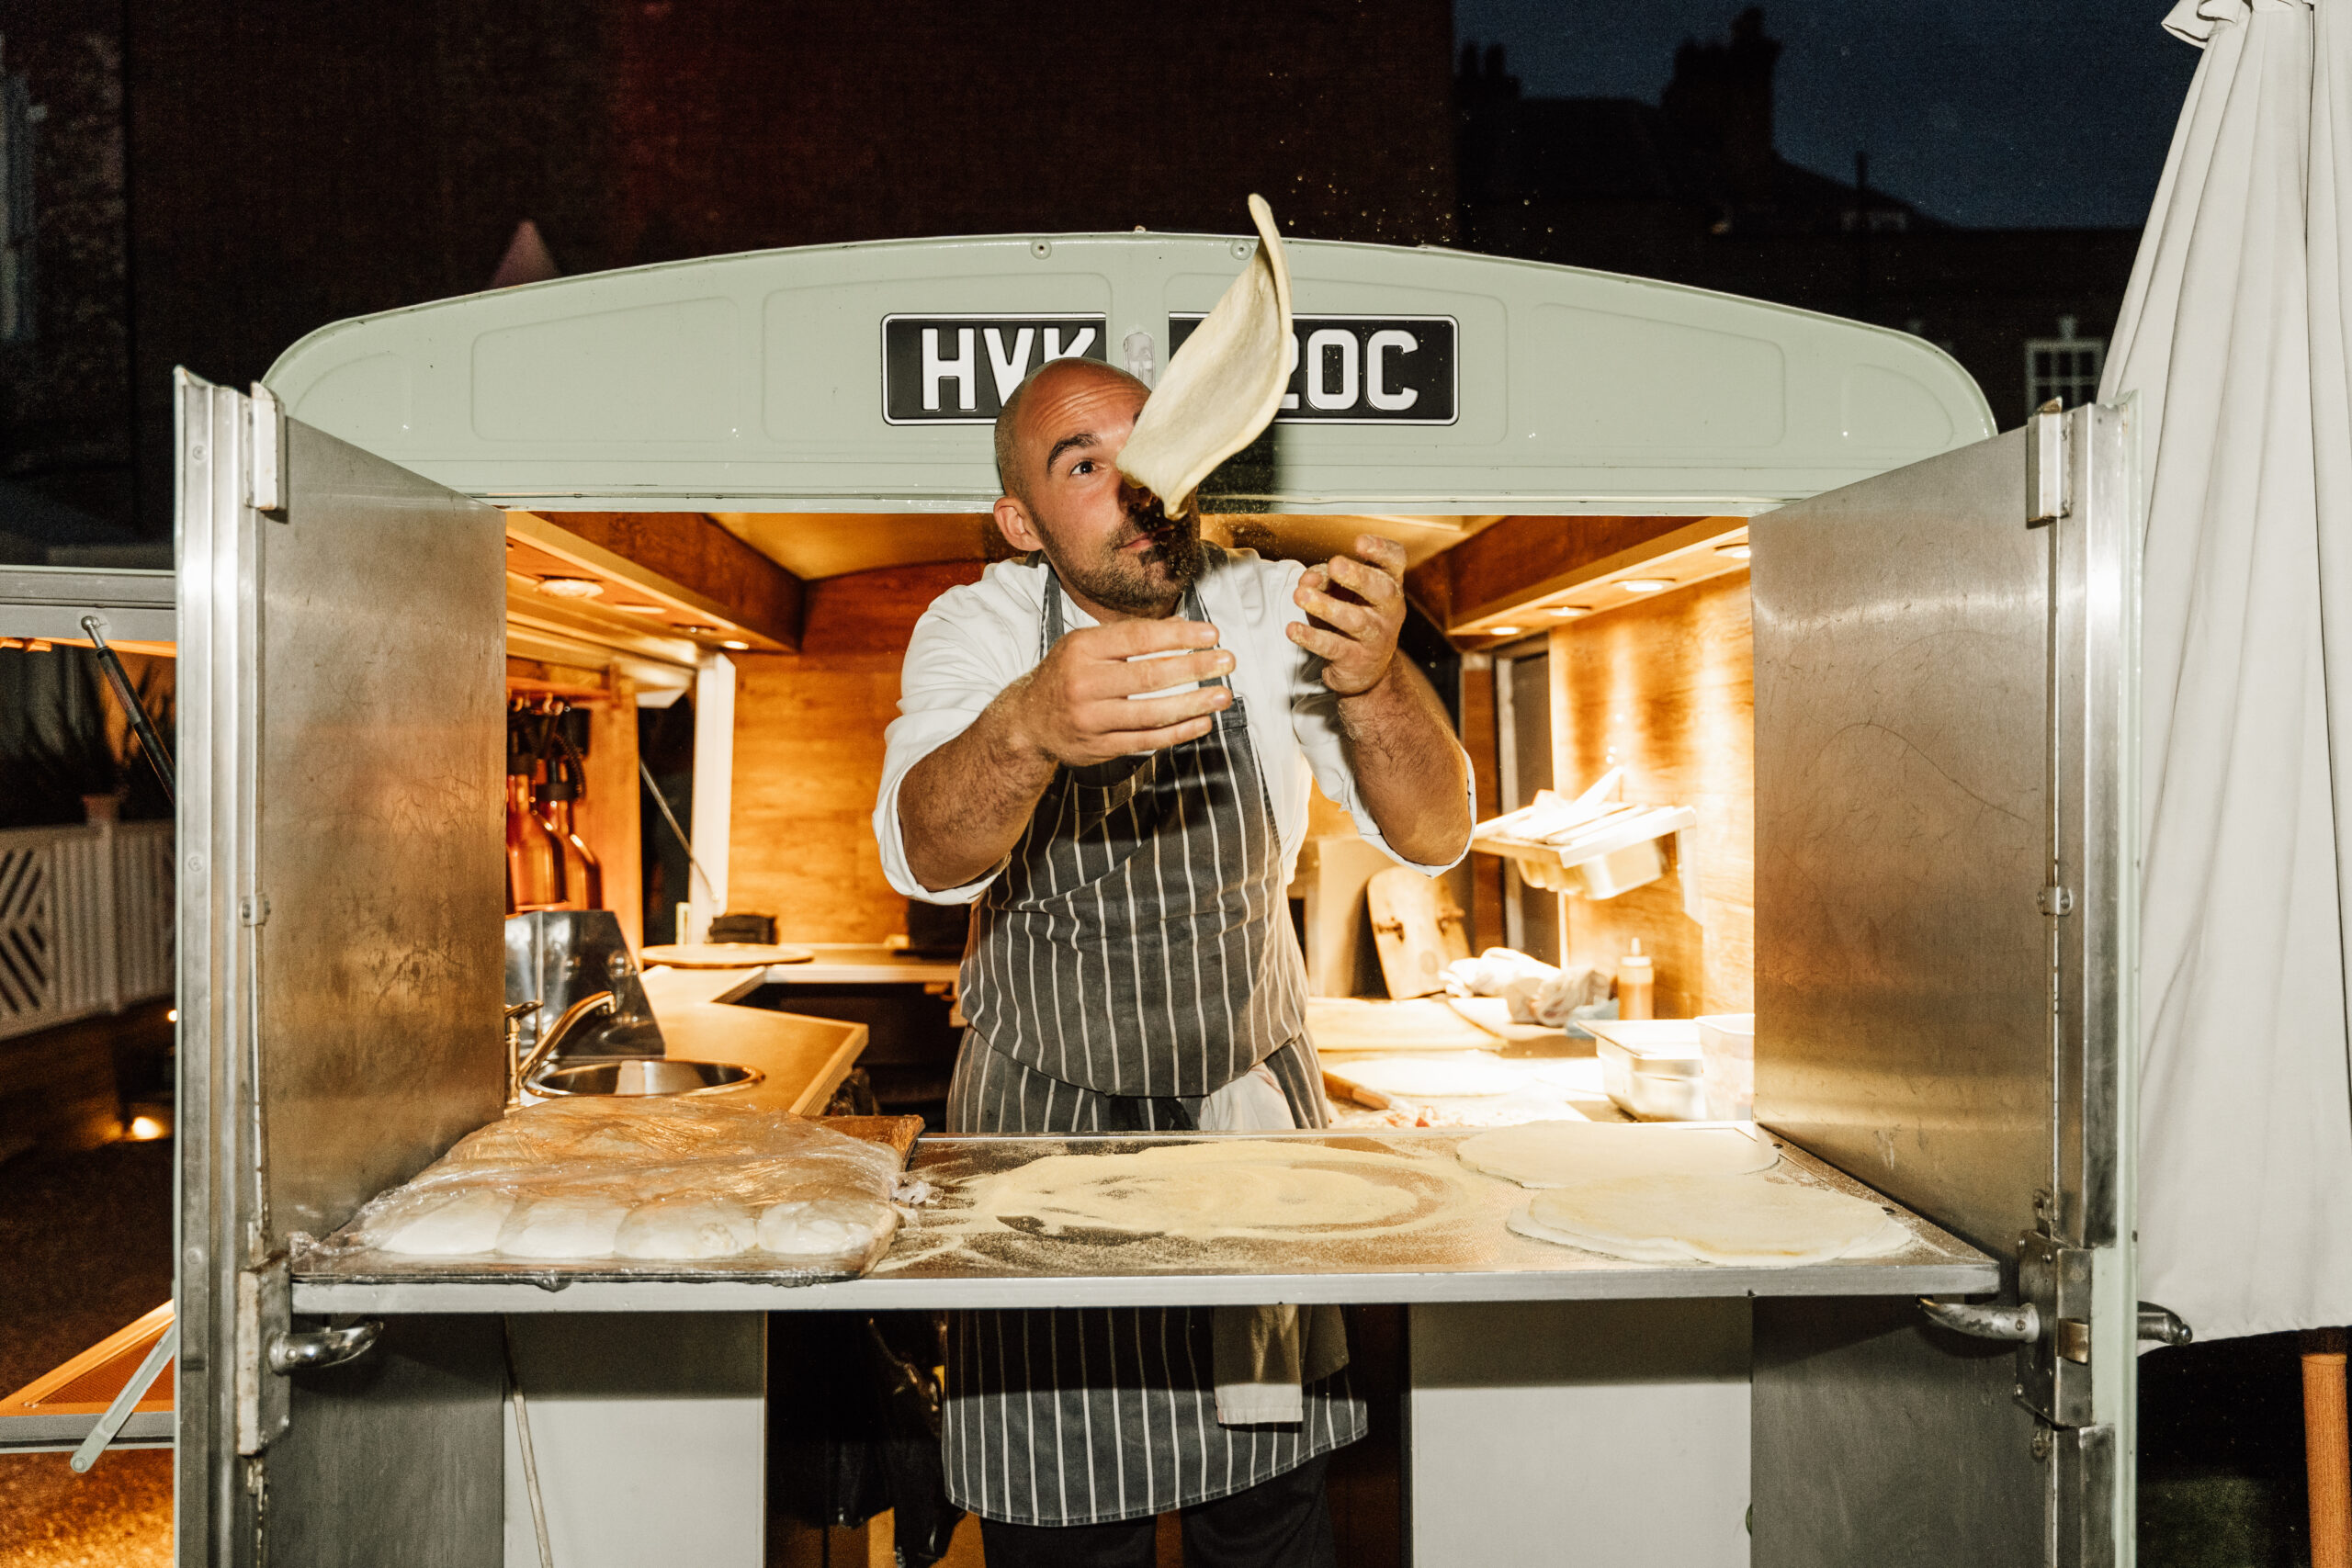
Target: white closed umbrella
x=2233 y=340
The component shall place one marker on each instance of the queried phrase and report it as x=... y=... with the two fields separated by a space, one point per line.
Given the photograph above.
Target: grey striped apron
x=1136 y=953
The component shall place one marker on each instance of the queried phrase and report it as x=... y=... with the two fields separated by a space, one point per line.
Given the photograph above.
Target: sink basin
x=642 y=1075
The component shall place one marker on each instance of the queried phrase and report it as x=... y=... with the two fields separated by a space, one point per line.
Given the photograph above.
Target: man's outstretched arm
x=1409 y=768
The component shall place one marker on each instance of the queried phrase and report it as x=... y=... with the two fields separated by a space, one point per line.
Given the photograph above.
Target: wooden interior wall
x=809 y=757
x=1667 y=688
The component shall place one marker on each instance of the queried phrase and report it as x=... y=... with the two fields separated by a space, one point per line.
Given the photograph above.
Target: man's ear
x=1012 y=522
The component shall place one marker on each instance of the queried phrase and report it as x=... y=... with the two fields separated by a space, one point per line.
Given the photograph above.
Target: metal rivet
x=196 y=453
x=1041 y=249
x=1240 y=250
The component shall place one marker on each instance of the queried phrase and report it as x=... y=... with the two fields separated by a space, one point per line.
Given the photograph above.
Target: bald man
x=1107 y=747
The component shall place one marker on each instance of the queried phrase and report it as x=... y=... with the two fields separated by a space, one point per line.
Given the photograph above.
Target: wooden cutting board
x=1348 y=1023
x=725 y=954
x=898 y=1131
x=1418 y=928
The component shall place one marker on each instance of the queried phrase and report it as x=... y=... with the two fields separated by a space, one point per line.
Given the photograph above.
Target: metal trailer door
x=342 y=645
x=1944 y=917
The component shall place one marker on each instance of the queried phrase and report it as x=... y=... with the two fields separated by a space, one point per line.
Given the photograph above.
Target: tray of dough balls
x=632 y=1189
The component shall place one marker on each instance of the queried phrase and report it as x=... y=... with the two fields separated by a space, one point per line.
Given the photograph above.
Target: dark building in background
x=1691 y=189
x=211 y=182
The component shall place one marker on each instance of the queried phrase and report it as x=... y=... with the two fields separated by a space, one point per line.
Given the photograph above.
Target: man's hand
x=1354 y=606
x=1078 y=707
x=963 y=807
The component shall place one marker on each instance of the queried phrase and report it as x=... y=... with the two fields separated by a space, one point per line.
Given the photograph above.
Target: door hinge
x=2048 y=481
x=2056 y=900
x=265 y=477
x=253 y=909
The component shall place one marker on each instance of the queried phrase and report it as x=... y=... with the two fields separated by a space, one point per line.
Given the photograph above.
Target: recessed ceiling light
x=572 y=587
x=1505 y=631
x=1646 y=584
x=1737 y=549
x=692 y=630
x=1569 y=612
x=732 y=642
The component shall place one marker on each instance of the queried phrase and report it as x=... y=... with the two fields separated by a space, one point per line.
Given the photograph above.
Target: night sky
x=2041 y=113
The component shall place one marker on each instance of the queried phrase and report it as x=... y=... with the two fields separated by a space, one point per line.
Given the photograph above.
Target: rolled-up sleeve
x=967 y=647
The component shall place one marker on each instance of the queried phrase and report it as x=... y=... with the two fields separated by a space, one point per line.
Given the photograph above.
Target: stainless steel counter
x=1474 y=1262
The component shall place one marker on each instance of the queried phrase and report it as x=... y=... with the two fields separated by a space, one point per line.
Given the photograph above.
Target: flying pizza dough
x=466 y=1224
x=685 y=1228
x=1565 y=1154
x=1223 y=386
x=823 y=1227
x=1459 y=1075
x=563 y=1226
x=1738 y=1221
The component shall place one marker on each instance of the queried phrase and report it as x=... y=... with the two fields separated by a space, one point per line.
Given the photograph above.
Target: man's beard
x=1143 y=583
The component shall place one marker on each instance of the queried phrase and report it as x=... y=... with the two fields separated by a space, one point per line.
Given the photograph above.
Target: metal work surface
x=762 y=382
x=935 y=1262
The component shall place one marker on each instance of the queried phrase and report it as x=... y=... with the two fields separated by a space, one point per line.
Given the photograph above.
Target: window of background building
x=2065 y=368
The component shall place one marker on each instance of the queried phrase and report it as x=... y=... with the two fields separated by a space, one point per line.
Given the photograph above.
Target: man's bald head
x=1011 y=473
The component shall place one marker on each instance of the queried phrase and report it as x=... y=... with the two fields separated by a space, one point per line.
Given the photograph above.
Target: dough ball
x=686 y=1227
x=1738 y=1221
x=824 y=1228
x=562 y=1227
x=1565 y=1154
x=460 y=1225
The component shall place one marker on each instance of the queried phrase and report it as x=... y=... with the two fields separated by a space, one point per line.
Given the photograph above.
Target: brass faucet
x=599 y=1005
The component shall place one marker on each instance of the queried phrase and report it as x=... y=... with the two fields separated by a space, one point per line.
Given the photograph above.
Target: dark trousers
x=1281 y=1523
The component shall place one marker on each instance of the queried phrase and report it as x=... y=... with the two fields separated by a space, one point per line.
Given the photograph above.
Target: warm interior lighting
x=1646 y=584
x=572 y=587
x=146 y=1129
x=1569 y=612
x=173 y=1016
x=1737 y=549
x=1505 y=631
x=637 y=609
x=698 y=630
x=733 y=643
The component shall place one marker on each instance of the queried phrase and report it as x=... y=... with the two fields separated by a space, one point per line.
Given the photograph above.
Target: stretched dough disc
x=1563 y=1154
x=686 y=1227
x=1221 y=388
x=1463 y=1074
x=468 y=1224
x=1738 y=1221
x=824 y=1228
x=563 y=1227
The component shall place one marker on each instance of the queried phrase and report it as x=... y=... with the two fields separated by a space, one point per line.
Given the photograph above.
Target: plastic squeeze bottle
x=1636 y=980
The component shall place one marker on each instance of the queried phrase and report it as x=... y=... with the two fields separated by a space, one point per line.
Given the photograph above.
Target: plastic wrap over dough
x=823 y=1227
x=686 y=1227
x=447 y=1224
x=569 y=1226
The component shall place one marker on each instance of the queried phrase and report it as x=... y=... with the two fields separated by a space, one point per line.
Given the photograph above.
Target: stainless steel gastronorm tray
x=1474 y=1262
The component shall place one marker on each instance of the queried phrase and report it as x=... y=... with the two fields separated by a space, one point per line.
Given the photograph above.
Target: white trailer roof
x=859 y=378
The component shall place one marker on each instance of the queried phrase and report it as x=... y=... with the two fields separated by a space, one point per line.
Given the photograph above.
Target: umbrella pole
x=2324 y=1447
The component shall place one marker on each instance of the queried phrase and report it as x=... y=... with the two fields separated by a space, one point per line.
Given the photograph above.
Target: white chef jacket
x=975 y=640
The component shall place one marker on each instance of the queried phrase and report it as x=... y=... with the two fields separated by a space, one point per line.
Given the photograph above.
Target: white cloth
x=975 y=640
x=1263 y=1357
x=2233 y=339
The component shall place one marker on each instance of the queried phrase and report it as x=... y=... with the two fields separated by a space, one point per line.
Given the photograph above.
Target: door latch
x=2050 y=1326
x=2047 y=481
